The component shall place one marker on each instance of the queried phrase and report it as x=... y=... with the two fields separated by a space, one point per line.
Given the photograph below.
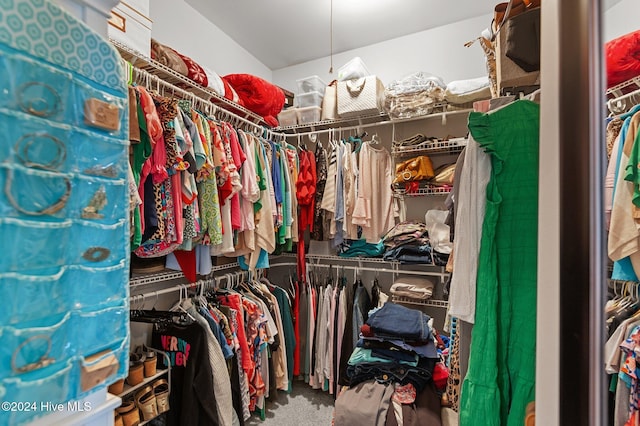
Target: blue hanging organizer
x=64 y=206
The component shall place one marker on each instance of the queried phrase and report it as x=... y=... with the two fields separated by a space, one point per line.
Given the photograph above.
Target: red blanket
x=623 y=58
x=257 y=95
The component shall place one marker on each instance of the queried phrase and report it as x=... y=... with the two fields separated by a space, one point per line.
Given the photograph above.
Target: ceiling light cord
x=331 y=37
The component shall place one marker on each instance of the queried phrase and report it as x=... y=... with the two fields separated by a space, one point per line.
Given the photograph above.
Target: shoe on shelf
x=150 y=363
x=161 y=391
x=116 y=388
x=136 y=370
x=117 y=419
x=146 y=402
x=129 y=413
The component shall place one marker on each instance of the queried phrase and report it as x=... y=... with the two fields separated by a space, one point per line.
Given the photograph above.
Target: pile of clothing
x=416 y=94
x=408 y=242
x=395 y=368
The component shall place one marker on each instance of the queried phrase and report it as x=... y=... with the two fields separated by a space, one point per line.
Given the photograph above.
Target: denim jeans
x=398 y=322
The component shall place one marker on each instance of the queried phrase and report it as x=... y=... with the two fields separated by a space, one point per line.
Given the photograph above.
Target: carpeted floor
x=303 y=407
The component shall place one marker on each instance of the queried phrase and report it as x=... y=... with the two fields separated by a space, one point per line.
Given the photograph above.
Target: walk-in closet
x=339 y=213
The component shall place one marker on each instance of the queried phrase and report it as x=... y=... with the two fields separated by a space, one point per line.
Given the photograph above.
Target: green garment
x=632 y=173
x=501 y=378
x=140 y=152
x=287 y=325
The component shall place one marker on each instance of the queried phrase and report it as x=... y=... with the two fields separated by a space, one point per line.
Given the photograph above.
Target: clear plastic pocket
x=98 y=330
x=50 y=385
x=35 y=88
x=100 y=156
x=98 y=200
x=97 y=244
x=21 y=293
x=29 y=192
x=103 y=368
x=96 y=287
x=96 y=110
x=37 y=245
x=33 y=345
x=34 y=142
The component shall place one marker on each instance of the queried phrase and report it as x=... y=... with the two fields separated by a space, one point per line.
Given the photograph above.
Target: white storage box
x=288 y=117
x=309 y=114
x=311 y=84
x=140 y=6
x=309 y=99
x=130 y=28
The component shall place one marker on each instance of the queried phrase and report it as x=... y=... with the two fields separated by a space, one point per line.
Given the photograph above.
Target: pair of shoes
x=136 y=370
x=148 y=357
x=129 y=413
x=153 y=400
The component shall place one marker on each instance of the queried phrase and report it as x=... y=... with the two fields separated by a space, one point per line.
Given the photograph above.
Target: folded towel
x=413 y=287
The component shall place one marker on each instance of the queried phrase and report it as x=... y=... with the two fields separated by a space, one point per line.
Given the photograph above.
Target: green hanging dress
x=501 y=378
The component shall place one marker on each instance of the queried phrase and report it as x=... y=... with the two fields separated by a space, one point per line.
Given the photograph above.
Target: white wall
x=439 y=51
x=177 y=24
x=621 y=19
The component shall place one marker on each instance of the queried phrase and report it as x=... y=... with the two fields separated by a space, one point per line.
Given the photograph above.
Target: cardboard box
x=130 y=28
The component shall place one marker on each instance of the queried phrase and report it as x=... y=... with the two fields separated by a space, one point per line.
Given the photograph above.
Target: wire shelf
x=332 y=258
x=369 y=120
x=619 y=90
x=430 y=190
x=450 y=146
x=145 y=279
x=170 y=76
x=428 y=302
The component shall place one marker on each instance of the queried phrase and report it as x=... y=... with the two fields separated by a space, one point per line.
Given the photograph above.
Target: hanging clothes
x=501 y=377
x=374 y=210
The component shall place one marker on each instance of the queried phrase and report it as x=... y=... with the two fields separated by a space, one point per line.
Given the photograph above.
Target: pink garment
x=342 y=319
x=250 y=190
x=332 y=340
x=238 y=159
x=155 y=131
x=156 y=163
x=176 y=192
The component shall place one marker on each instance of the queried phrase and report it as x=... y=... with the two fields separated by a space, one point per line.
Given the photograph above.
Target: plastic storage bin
x=355 y=68
x=309 y=99
x=288 y=117
x=309 y=114
x=311 y=84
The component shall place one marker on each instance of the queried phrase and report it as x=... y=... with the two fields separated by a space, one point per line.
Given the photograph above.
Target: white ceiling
x=281 y=33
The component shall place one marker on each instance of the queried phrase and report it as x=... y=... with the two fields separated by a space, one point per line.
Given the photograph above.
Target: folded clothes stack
x=360 y=248
x=396 y=345
x=417 y=288
x=408 y=242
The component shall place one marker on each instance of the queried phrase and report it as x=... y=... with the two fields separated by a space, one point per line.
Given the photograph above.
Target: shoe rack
x=129 y=394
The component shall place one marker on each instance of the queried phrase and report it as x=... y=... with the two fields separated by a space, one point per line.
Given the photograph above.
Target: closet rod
x=151 y=295
x=146 y=78
x=442 y=115
x=440 y=275
x=611 y=103
x=212 y=282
